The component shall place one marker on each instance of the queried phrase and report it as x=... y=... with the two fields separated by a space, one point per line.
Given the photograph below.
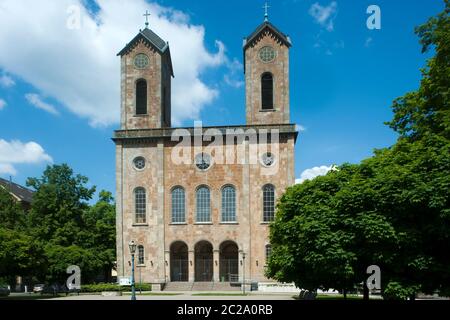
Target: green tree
x=392 y=210
x=70 y=230
x=12 y=215
x=19 y=255
x=58 y=206
x=100 y=231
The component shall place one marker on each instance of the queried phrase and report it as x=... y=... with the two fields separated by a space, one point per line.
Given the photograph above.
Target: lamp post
x=132 y=246
x=243 y=272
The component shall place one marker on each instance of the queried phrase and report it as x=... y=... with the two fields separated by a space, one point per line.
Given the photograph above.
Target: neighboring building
x=21 y=194
x=203 y=220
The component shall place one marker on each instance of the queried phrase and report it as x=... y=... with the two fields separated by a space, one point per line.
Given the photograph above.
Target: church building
x=198 y=201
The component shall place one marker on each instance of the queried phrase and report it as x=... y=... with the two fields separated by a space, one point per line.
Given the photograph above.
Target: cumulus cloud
x=324 y=15
x=315 y=172
x=35 y=100
x=234 y=77
x=2 y=104
x=78 y=66
x=17 y=152
x=6 y=81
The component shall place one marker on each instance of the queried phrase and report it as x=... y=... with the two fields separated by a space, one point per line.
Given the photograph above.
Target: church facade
x=198 y=201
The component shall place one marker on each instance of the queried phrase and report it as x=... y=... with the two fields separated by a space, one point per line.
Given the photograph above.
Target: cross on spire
x=146 y=15
x=266 y=9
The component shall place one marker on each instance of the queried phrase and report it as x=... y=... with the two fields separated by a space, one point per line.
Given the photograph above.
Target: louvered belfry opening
x=267 y=91
x=141 y=97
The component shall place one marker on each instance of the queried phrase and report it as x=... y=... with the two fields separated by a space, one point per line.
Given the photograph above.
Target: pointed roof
x=21 y=193
x=152 y=39
x=267 y=26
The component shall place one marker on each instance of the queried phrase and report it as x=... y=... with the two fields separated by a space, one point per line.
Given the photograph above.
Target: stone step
x=178 y=286
x=201 y=286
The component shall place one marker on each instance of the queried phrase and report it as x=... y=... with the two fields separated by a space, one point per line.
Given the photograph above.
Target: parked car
x=56 y=289
x=38 y=288
x=4 y=291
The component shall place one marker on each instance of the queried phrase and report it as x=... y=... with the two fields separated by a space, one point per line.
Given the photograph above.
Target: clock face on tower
x=141 y=61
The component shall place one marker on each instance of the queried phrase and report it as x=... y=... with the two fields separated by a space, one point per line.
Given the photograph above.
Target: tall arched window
x=268 y=203
x=267 y=91
x=141 y=255
x=268 y=252
x=141 y=97
x=228 y=204
x=203 y=205
x=178 y=205
x=140 y=205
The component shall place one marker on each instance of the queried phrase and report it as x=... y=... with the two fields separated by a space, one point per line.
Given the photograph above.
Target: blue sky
x=58 y=87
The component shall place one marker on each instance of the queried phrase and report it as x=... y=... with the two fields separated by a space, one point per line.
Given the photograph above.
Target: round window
x=141 y=61
x=267 y=54
x=139 y=163
x=268 y=159
x=203 y=161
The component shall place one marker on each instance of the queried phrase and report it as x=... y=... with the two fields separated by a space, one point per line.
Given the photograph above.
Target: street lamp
x=243 y=271
x=132 y=246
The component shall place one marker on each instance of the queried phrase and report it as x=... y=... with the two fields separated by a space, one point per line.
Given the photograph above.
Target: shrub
x=102 y=287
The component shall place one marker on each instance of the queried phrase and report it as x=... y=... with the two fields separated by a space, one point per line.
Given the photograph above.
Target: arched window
x=268 y=203
x=140 y=205
x=178 y=205
x=141 y=255
x=203 y=205
x=268 y=252
x=267 y=91
x=228 y=204
x=141 y=97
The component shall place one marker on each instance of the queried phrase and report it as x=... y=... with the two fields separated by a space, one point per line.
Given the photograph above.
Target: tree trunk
x=365 y=292
x=345 y=294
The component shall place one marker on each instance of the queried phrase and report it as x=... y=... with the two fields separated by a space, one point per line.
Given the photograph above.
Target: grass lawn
x=350 y=297
x=219 y=294
x=31 y=297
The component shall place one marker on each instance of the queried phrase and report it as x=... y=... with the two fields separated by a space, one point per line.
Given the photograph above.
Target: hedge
x=102 y=287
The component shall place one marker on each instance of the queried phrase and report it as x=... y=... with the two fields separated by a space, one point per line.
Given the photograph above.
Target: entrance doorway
x=229 y=261
x=203 y=262
x=179 y=262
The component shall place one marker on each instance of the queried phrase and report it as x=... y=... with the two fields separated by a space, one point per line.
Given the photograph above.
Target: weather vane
x=266 y=8
x=146 y=15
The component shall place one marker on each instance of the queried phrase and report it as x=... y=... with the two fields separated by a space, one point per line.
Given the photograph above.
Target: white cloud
x=6 y=81
x=324 y=15
x=234 y=77
x=16 y=152
x=79 y=68
x=2 y=104
x=35 y=100
x=310 y=174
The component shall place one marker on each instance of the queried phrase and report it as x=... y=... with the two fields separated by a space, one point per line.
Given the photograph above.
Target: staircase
x=201 y=286
x=178 y=286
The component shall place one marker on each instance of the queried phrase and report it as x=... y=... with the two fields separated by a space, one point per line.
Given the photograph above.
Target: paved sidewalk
x=186 y=296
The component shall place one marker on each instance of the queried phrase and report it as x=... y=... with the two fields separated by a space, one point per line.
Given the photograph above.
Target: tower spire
x=266 y=10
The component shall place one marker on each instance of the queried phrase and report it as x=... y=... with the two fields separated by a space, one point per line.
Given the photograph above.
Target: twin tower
x=147 y=71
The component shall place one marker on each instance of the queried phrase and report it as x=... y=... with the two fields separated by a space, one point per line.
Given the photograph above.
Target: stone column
x=216 y=264
x=167 y=266
x=191 y=266
x=241 y=266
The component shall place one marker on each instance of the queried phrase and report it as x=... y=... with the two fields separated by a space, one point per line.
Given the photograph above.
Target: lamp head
x=132 y=246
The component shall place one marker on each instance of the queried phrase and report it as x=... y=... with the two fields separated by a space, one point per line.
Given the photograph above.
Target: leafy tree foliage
x=61 y=229
x=71 y=231
x=392 y=210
